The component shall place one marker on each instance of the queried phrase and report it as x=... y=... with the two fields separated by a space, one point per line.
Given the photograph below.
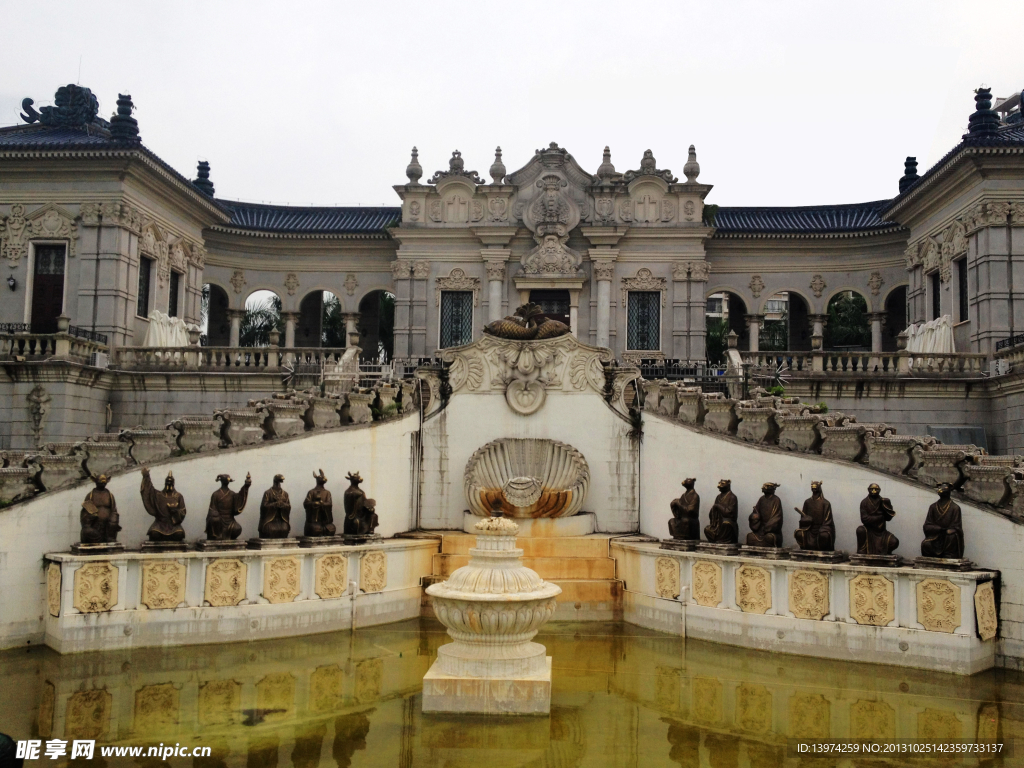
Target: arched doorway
x=308 y=331
x=262 y=315
x=895 y=317
x=848 y=328
x=786 y=324
x=377 y=327
x=724 y=313
x=214 y=322
x=555 y=304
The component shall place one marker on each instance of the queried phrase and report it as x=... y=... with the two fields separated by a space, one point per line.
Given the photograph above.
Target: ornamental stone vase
x=493 y=608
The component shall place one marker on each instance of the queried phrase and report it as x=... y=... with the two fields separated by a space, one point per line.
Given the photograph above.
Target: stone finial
x=456 y=164
x=414 y=170
x=606 y=170
x=124 y=127
x=909 y=173
x=692 y=168
x=202 y=180
x=984 y=122
x=733 y=339
x=497 y=170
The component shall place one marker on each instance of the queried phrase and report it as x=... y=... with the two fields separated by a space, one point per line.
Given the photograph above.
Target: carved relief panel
x=281 y=579
x=88 y=715
x=95 y=587
x=809 y=716
x=707 y=699
x=666 y=577
x=373 y=571
x=225 y=582
x=872 y=600
x=53 y=582
x=938 y=605
x=808 y=594
x=275 y=695
x=163 y=584
x=754 y=708
x=219 y=701
x=325 y=688
x=872 y=720
x=369 y=675
x=156 y=709
x=985 y=610
x=707 y=583
x=753 y=589
x=331 y=576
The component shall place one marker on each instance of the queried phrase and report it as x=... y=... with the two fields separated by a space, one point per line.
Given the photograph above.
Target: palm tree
x=716 y=340
x=332 y=325
x=261 y=317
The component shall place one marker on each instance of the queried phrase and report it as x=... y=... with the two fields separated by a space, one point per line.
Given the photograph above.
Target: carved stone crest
x=697 y=271
x=457 y=280
x=238 y=280
x=225 y=582
x=331 y=576
x=644 y=281
x=421 y=269
x=985 y=610
x=281 y=579
x=401 y=269
x=498 y=207
x=938 y=605
x=753 y=589
x=351 y=283
x=707 y=583
x=872 y=600
x=49 y=222
x=666 y=577
x=808 y=594
x=95 y=587
x=818 y=285
x=495 y=269
x=53 y=582
x=373 y=571
x=875 y=283
x=38 y=406
x=291 y=283
x=163 y=584
x=756 y=286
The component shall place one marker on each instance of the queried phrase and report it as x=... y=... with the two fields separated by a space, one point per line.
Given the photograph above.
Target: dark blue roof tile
x=812 y=219
x=309 y=219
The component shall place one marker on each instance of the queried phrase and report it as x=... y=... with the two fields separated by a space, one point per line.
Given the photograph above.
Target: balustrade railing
x=46 y=346
x=870 y=363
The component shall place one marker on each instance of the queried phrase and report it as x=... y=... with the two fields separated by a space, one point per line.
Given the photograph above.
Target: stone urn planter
x=17 y=483
x=59 y=471
x=286 y=417
x=944 y=464
x=652 y=394
x=149 y=445
x=105 y=453
x=799 y=432
x=669 y=400
x=493 y=608
x=242 y=426
x=756 y=422
x=197 y=434
x=896 y=454
x=719 y=413
x=409 y=389
x=358 y=407
x=324 y=413
x=988 y=479
x=527 y=477
x=691 y=406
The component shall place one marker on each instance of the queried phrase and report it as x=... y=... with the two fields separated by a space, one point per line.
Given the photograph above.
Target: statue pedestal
x=714 y=548
x=580 y=524
x=109 y=548
x=944 y=564
x=817 y=556
x=164 y=546
x=680 y=545
x=878 y=561
x=215 y=545
x=288 y=543
x=307 y=542
x=768 y=553
x=351 y=539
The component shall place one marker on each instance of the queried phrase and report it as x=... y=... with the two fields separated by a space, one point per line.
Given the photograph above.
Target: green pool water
x=622 y=696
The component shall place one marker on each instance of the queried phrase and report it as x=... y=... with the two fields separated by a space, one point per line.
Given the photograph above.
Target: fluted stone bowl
x=528 y=478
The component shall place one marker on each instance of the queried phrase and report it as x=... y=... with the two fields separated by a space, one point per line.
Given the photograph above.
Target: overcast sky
x=788 y=103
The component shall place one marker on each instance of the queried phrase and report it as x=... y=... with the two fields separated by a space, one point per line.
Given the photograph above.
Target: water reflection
x=621 y=696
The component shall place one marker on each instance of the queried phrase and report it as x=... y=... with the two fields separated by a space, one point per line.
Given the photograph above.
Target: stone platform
x=492 y=696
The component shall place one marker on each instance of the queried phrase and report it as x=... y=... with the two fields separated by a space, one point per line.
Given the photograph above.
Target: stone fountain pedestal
x=493 y=608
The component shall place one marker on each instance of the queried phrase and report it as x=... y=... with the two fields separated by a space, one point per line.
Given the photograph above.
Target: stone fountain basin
x=474 y=615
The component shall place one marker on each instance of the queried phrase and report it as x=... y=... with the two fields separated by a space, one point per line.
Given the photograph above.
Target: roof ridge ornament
x=606 y=171
x=414 y=170
x=202 y=180
x=456 y=167
x=648 y=167
x=692 y=168
x=73 y=107
x=497 y=170
x=984 y=122
x=909 y=173
x=124 y=127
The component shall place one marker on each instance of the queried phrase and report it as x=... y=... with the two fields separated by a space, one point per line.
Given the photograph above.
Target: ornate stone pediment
x=457 y=280
x=526 y=371
x=644 y=281
x=49 y=222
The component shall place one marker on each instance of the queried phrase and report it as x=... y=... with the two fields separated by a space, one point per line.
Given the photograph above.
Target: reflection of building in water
x=625 y=698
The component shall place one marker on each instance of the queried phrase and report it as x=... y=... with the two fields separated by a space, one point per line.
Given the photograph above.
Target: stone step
x=595 y=545
x=550 y=568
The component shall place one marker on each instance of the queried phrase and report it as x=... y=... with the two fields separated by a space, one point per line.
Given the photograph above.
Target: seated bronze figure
x=722 y=527
x=817 y=529
x=766 y=519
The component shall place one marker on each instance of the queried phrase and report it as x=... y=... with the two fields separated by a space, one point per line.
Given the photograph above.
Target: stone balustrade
x=903 y=616
x=210 y=359
x=64 y=345
x=186 y=598
x=827 y=363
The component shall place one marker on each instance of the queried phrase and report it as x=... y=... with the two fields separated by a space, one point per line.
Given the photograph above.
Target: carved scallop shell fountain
x=493 y=608
x=527 y=478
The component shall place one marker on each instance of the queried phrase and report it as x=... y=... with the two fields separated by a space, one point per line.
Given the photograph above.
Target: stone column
x=495 y=288
x=401 y=271
x=418 y=305
x=877 y=321
x=351 y=332
x=290 y=319
x=753 y=330
x=235 y=316
x=817 y=330
x=574 y=312
x=603 y=271
x=689 y=309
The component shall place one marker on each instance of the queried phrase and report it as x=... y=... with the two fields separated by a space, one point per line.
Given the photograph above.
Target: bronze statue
x=872 y=536
x=360 y=514
x=766 y=519
x=817 y=530
x=685 y=522
x=319 y=509
x=528 y=322
x=943 y=528
x=167 y=506
x=225 y=506
x=275 y=511
x=100 y=522
x=722 y=527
